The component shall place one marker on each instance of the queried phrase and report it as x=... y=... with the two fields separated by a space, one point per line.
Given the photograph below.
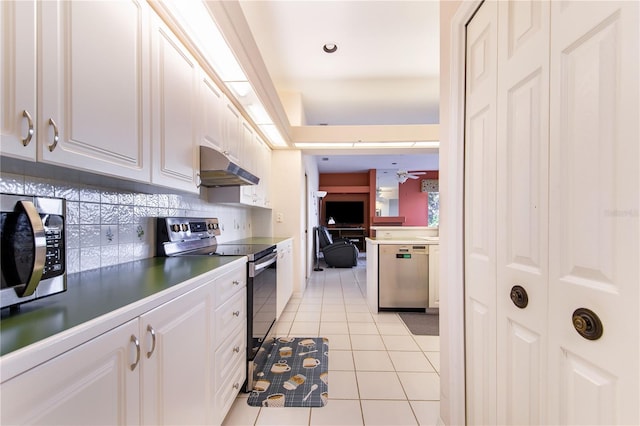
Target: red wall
x=413 y=203
x=361 y=186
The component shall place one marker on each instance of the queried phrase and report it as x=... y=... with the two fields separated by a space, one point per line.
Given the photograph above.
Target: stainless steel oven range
x=32 y=248
x=180 y=236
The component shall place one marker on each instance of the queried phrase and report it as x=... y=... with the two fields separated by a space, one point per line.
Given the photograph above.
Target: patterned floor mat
x=295 y=374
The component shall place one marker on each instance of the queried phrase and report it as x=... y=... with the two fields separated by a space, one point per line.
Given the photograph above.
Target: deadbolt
x=587 y=324
x=519 y=296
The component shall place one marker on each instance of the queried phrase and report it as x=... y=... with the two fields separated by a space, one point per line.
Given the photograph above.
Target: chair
x=339 y=253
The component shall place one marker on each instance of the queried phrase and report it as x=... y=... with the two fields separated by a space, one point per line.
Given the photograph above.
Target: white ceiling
x=385 y=71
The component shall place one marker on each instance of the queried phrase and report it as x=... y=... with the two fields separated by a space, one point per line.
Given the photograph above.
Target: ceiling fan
x=403 y=175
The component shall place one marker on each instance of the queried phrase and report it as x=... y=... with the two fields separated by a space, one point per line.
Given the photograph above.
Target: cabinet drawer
x=230 y=316
x=229 y=284
x=228 y=390
x=231 y=352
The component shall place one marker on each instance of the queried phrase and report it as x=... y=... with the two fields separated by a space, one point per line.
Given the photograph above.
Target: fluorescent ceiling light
x=240 y=88
x=196 y=21
x=430 y=144
x=363 y=145
x=259 y=114
x=271 y=132
x=324 y=145
x=383 y=145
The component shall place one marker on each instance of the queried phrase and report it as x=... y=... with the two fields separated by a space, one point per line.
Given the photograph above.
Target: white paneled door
x=594 y=213
x=522 y=192
x=552 y=201
x=480 y=215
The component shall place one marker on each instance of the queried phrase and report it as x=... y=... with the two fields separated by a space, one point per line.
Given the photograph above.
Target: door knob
x=587 y=324
x=519 y=296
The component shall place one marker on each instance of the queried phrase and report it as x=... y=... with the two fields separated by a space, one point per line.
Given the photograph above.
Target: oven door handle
x=265 y=262
x=40 y=247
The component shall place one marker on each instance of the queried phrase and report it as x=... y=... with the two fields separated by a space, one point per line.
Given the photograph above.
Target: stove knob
x=185 y=227
x=175 y=228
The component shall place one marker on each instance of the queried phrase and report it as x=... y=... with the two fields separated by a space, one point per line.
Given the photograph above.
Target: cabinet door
x=94 y=94
x=263 y=161
x=248 y=192
x=175 y=89
x=176 y=375
x=211 y=104
x=285 y=276
x=91 y=384
x=231 y=119
x=18 y=79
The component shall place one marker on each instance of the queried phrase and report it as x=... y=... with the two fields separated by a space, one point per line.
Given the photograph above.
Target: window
x=433 y=209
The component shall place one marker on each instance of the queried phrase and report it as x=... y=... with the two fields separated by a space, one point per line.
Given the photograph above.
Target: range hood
x=216 y=169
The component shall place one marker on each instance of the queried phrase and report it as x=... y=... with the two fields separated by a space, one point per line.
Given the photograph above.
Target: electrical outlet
x=279 y=217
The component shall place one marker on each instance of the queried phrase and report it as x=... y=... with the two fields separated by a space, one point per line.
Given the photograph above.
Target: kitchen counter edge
x=380 y=241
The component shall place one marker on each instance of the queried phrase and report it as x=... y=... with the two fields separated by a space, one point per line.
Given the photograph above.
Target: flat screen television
x=345 y=212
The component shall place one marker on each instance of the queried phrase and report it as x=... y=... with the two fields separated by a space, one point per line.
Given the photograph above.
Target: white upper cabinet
x=18 y=79
x=175 y=98
x=211 y=104
x=231 y=122
x=93 y=98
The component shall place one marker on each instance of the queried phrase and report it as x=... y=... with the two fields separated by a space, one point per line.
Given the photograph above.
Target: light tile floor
x=379 y=373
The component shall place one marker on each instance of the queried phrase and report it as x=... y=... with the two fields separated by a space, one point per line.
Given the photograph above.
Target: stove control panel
x=184 y=228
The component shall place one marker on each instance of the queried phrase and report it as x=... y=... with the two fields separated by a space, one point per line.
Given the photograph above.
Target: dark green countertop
x=97 y=292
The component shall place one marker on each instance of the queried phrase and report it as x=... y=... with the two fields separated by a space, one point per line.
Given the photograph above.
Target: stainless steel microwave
x=32 y=248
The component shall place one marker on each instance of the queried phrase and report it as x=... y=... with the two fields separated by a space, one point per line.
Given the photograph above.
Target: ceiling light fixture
x=330 y=47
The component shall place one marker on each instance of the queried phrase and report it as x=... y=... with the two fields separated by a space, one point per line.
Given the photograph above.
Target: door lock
x=587 y=324
x=519 y=296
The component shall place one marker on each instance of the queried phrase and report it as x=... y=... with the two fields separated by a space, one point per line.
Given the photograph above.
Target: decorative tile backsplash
x=106 y=227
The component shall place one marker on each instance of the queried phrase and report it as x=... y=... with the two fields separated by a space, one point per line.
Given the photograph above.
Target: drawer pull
x=236 y=282
x=135 y=341
x=236 y=385
x=236 y=314
x=236 y=349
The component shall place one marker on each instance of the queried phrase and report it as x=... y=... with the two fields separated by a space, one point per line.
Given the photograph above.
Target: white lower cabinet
x=174 y=360
x=230 y=341
x=285 y=275
x=181 y=363
x=90 y=384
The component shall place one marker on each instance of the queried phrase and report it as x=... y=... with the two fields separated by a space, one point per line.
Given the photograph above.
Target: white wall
x=312 y=210
x=287 y=180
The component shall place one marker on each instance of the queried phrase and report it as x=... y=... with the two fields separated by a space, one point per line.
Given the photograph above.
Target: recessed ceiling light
x=330 y=47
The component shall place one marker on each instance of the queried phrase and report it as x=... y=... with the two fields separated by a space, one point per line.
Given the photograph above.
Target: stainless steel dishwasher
x=403 y=276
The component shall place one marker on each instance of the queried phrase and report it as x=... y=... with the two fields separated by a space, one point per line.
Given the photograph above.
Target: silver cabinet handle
x=56 y=135
x=236 y=349
x=136 y=342
x=26 y=140
x=153 y=340
x=39 y=247
x=199 y=184
x=236 y=313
